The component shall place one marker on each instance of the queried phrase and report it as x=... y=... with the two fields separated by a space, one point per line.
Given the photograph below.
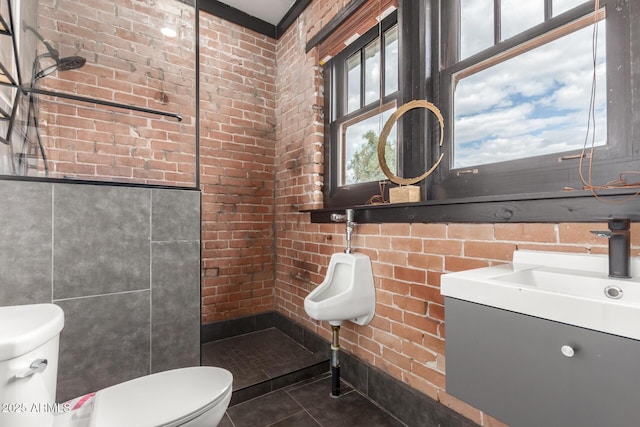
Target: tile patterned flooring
x=309 y=404
x=258 y=356
x=269 y=356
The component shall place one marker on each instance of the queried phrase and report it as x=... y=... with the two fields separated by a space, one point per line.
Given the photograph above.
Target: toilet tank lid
x=167 y=398
x=26 y=327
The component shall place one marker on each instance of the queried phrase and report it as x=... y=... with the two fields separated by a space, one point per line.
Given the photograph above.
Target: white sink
x=568 y=288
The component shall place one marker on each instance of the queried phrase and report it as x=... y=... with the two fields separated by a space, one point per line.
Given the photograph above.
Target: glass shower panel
x=109 y=92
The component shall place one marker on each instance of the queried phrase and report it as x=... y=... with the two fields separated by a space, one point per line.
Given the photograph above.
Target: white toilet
x=29 y=337
x=347 y=292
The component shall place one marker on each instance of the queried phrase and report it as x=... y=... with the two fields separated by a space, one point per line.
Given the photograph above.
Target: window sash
x=497 y=196
x=545 y=37
x=339 y=67
x=358 y=24
x=542 y=173
x=340 y=114
x=574 y=142
x=381 y=111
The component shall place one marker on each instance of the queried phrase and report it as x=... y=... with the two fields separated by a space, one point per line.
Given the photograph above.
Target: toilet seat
x=164 y=399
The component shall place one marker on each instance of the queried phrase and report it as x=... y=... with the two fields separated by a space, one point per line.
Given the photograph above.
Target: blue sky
x=533 y=104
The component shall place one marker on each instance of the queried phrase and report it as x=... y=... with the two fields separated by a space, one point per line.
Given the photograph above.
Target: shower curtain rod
x=27 y=89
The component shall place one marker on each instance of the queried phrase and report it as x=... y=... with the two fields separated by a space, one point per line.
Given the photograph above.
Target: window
x=358 y=140
x=363 y=81
x=533 y=103
x=518 y=95
x=513 y=80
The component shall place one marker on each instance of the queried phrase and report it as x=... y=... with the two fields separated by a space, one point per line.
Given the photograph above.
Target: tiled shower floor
x=263 y=361
x=279 y=383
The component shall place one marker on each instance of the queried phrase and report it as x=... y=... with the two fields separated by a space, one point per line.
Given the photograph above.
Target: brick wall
x=406 y=337
x=129 y=62
x=237 y=149
x=262 y=162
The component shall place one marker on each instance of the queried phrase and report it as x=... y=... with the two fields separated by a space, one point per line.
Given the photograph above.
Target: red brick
x=425 y=261
x=406 y=332
x=418 y=352
x=470 y=231
x=395 y=286
x=431 y=375
x=443 y=247
x=459 y=406
x=429 y=231
x=489 y=250
x=427 y=293
x=421 y=322
x=410 y=304
x=452 y=263
x=409 y=274
x=389 y=312
x=406 y=244
x=399 y=360
x=580 y=233
x=526 y=232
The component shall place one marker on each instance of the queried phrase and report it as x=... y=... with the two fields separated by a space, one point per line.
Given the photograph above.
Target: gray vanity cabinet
x=532 y=372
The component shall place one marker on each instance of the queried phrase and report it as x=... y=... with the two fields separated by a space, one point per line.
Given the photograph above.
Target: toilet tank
x=29 y=339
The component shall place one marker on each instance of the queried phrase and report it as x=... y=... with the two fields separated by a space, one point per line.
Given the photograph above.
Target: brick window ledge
x=575 y=206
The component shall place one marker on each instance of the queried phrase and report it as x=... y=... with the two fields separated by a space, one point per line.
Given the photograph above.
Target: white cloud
x=477 y=20
x=536 y=103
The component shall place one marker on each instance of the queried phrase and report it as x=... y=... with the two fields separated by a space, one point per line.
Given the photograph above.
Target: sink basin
x=568 y=288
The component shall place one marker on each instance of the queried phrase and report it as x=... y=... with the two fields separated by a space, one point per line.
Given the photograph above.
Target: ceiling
x=268 y=17
x=271 y=11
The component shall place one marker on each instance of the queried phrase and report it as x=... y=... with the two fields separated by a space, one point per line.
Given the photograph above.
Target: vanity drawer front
x=528 y=371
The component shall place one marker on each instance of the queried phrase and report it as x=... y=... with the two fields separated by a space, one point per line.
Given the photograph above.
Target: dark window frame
x=413 y=72
x=544 y=173
x=421 y=78
x=336 y=115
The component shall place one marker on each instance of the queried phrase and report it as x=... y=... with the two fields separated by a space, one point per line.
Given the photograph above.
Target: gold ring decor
x=382 y=141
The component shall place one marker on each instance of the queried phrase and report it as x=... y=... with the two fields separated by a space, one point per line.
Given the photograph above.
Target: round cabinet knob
x=567 y=350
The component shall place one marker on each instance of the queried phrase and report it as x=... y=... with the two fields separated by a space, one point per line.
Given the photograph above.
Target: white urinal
x=347 y=292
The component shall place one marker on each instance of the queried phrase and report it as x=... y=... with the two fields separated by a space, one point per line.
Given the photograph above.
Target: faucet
x=619 y=247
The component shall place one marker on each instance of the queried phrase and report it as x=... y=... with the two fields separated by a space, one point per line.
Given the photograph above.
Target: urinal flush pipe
x=347 y=217
x=335 y=362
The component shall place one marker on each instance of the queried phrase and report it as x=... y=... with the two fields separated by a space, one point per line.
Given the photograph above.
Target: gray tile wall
x=122 y=262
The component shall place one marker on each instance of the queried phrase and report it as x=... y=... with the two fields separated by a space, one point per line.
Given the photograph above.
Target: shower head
x=71 y=63
x=62 y=64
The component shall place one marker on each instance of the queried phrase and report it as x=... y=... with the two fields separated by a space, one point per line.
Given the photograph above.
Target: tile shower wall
x=122 y=262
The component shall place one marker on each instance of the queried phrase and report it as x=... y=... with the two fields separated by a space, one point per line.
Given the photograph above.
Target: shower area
x=99 y=170
x=117 y=201
x=94 y=92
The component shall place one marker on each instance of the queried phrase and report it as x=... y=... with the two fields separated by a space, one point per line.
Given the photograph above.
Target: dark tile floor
x=258 y=356
x=309 y=404
x=273 y=385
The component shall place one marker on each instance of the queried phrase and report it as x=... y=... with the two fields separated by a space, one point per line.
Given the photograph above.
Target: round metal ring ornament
x=382 y=141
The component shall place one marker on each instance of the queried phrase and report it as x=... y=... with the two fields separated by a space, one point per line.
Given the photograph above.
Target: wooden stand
x=404 y=194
